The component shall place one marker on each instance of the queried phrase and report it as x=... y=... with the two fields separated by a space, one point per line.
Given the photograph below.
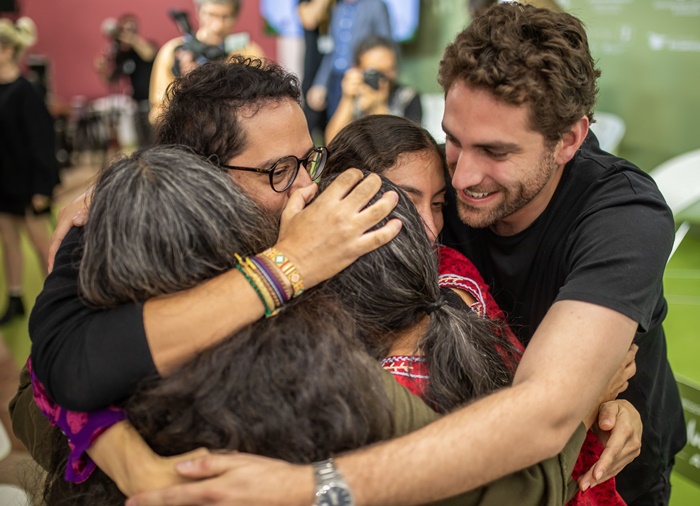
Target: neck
x=406 y=341
x=9 y=72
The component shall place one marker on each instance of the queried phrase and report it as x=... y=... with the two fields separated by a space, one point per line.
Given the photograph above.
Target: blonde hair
x=18 y=35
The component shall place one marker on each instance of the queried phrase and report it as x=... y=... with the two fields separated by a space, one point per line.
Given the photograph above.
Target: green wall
x=647 y=50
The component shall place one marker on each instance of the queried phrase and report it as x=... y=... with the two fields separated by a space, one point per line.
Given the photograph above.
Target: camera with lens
x=373 y=77
x=201 y=52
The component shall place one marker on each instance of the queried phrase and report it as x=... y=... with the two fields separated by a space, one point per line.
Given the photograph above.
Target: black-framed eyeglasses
x=284 y=171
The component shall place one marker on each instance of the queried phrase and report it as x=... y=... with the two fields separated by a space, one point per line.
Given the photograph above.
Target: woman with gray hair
x=165 y=220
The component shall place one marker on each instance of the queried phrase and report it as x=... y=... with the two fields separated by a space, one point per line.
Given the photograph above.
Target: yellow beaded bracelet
x=287 y=268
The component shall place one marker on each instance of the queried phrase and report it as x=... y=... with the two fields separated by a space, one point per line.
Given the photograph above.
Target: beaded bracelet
x=268 y=281
x=288 y=269
x=253 y=284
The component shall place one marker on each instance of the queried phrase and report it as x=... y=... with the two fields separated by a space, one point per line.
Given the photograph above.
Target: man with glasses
x=243 y=114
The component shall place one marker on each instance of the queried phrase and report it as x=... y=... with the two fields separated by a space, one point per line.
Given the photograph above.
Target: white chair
x=610 y=129
x=679 y=182
x=433 y=105
x=9 y=494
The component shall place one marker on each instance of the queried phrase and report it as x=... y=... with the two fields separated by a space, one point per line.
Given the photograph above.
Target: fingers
x=204 y=467
x=299 y=200
x=584 y=482
x=342 y=186
x=377 y=238
x=74 y=214
x=607 y=415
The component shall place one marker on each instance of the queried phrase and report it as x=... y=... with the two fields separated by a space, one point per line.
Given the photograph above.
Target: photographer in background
x=129 y=55
x=370 y=87
x=213 y=40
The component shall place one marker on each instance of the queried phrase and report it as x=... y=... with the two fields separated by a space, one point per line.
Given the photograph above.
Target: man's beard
x=513 y=199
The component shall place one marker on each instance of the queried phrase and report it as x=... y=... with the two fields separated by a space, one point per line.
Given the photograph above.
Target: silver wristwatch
x=331 y=487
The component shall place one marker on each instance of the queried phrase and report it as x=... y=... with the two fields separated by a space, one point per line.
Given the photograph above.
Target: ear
x=572 y=140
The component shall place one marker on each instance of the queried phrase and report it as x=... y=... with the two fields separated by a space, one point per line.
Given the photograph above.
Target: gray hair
x=164 y=220
x=388 y=292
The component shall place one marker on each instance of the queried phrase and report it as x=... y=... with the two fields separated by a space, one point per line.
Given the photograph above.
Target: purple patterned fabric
x=81 y=429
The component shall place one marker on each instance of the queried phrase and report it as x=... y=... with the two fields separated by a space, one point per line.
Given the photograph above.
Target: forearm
x=161 y=76
x=122 y=454
x=180 y=325
x=143 y=48
x=343 y=115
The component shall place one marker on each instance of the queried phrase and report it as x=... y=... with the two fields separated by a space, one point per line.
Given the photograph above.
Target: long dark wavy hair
x=298 y=386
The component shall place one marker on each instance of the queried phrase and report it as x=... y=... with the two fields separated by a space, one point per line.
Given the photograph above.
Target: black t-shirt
x=87 y=358
x=604 y=239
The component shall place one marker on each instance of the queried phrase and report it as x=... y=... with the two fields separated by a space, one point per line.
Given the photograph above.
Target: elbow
x=558 y=428
x=77 y=399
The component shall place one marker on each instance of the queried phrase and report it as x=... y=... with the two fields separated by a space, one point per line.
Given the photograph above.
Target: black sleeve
x=414 y=110
x=87 y=358
x=618 y=251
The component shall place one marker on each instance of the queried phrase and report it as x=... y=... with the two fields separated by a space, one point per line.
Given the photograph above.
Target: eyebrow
x=418 y=193
x=270 y=162
x=495 y=145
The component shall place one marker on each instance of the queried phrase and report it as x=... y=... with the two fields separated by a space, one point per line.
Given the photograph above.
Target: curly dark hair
x=526 y=55
x=203 y=107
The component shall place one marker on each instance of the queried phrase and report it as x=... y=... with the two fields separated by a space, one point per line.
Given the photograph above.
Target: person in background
x=28 y=166
x=181 y=54
x=351 y=22
x=130 y=55
x=370 y=87
x=315 y=17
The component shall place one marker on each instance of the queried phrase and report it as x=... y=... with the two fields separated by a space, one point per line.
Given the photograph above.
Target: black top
x=87 y=358
x=28 y=164
x=129 y=63
x=604 y=238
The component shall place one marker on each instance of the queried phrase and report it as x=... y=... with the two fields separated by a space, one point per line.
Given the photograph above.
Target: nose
x=302 y=180
x=466 y=172
x=431 y=229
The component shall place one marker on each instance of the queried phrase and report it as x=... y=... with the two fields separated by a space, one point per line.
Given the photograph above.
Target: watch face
x=335 y=496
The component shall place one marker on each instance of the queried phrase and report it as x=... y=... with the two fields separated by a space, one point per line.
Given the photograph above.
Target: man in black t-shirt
x=572 y=240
